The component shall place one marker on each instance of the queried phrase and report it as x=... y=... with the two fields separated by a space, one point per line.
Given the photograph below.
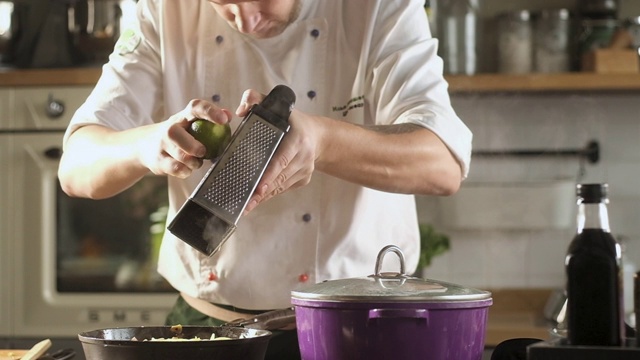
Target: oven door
x=81 y=264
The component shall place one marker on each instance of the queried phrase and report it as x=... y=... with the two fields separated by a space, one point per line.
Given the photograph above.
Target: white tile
x=467 y=259
x=620 y=177
x=507 y=260
x=440 y=268
x=547 y=250
x=467 y=254
x=553 y=122
x=624 y=215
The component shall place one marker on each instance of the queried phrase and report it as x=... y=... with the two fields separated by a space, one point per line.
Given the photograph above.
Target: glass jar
x=458 y=33
x=552 y=32
x=515 y=42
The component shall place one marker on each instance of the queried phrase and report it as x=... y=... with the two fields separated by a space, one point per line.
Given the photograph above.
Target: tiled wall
x=534 y=257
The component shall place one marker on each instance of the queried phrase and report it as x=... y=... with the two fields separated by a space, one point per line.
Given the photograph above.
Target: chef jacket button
x=311 y=94
x=215 y=98
x=303 y=278
x=306 y=217
x=219 y=39
x=315 y=33
x=213 y=276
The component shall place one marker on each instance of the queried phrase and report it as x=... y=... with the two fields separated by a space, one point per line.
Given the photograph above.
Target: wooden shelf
x=482 y=83
x=566 y=82
x=50 y=77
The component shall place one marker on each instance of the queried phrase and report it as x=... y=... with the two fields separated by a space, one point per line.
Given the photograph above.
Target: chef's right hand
x=170 y=149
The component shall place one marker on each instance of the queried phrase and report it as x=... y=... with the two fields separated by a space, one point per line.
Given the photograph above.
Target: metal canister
x=552 y=45
x=515 y=42
x=458 y=32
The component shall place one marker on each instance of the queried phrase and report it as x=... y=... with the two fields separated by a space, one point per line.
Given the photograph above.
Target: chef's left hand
x=293 y=163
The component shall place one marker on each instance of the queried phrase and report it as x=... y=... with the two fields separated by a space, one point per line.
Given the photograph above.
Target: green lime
x=214 y=137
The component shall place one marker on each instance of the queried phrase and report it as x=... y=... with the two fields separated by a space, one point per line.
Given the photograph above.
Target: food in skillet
x=177 y=329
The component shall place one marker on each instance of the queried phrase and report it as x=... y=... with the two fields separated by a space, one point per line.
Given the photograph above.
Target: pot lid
x=389 y=287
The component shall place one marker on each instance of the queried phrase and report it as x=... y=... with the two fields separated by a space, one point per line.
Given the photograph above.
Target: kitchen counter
x=517 y=313
x=49 y=77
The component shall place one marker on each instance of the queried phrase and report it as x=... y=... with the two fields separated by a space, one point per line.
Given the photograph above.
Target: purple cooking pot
x=390 y=316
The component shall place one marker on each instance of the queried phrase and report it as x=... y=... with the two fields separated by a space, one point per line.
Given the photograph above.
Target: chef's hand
x=170 y=149
x=293 y=163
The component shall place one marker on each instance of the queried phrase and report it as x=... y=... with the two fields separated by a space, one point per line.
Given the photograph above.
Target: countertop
x=50 y=77
x=517 y=313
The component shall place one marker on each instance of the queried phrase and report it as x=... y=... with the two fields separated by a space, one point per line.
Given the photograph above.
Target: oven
x=68 y=264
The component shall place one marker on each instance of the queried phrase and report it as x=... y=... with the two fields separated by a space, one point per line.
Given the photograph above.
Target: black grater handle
x=280 y=101
x=276 y=107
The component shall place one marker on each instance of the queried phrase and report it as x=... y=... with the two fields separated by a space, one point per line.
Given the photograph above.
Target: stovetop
x=559 y=350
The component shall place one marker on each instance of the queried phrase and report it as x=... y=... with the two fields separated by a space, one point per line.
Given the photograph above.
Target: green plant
x=432 y=244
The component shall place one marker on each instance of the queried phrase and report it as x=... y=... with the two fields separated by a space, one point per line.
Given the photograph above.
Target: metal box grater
x=210 y=215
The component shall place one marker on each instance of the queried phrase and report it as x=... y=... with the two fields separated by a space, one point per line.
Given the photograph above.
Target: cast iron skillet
x=117 y=343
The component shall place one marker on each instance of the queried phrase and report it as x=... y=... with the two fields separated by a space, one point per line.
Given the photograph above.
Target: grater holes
x=231 y=186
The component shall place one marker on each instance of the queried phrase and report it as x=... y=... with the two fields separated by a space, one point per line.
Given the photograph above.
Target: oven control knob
x=55 y=108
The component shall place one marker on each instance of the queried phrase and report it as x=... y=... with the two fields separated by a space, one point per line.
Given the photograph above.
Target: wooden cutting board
x=10 y=354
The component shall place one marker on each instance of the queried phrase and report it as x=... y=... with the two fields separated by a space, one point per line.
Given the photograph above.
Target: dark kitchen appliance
x=209 y=216
x=390 y=316
x=559 y=350
x=133 y=343
x=40 y=36
x=60 y=33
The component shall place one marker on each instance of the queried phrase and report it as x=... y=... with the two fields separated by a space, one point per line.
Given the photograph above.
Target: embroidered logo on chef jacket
x=353 y=103
x=128 y=42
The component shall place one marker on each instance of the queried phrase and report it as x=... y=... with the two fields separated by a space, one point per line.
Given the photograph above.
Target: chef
x=372 y=126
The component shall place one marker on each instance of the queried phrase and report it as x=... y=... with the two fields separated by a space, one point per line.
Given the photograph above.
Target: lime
x=214 y=137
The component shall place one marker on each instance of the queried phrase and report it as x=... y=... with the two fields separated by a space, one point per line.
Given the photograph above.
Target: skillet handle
x=282 y=319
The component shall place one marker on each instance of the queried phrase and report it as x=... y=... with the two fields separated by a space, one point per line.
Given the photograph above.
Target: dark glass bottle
x=594 y=274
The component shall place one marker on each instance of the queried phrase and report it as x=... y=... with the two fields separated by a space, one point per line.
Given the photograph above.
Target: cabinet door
x=47 y=107
x=6 y=109
x=6 y=258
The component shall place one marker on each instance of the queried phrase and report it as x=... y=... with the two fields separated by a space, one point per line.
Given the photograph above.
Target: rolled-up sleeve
x=406 y=78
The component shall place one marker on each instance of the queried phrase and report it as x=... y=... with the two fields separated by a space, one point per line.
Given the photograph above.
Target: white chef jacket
x=367 y=62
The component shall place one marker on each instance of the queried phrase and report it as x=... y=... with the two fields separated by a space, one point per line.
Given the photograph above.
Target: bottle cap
x=592 y=193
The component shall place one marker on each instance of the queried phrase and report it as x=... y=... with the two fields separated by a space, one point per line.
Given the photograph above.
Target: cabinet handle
x=54 y=153
x=55 y=108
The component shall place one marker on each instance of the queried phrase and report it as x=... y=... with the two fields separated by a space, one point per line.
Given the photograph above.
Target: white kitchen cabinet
x=43 y=108
x=6 y=260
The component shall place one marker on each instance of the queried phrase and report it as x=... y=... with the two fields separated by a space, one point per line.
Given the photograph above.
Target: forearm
x=99 y=162
x=404 y=158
